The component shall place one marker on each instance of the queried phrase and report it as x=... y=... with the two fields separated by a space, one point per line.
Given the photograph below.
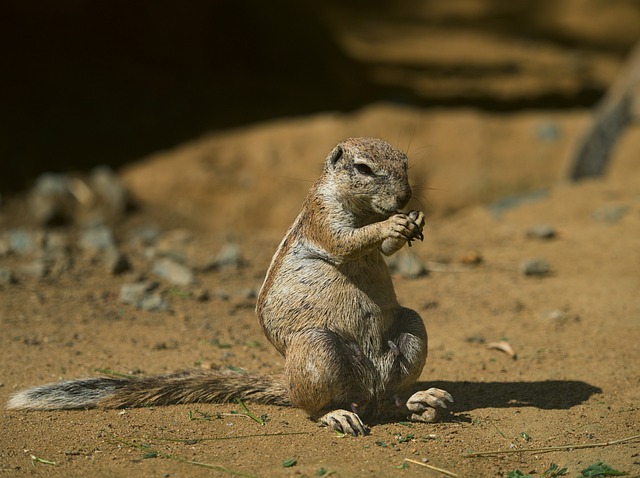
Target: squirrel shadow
x=547 y=395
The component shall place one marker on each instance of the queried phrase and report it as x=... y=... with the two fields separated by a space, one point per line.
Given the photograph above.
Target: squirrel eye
x=363 y=169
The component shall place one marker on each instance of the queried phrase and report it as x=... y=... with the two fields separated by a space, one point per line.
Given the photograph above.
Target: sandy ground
x=574 y=380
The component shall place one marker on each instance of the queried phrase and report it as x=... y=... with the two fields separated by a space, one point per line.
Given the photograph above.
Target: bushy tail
x=185 y=387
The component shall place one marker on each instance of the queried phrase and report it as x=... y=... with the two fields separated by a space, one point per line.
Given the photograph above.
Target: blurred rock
x=22 y=241
x=142 y=296
x=610 y=213
x=548 y=132
x=144 y=236
x=110 y=190
x=175 y=244
x=173 y=271
x=97 y=238
x=406 y=264
x=51 y=200
x=541 y=231
x=6 y=276
x=116 y=262
x=230 y=256
x=535 y=267
x=37 y=269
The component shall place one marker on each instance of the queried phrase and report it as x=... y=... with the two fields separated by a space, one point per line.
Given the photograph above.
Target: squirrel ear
x=335 y=156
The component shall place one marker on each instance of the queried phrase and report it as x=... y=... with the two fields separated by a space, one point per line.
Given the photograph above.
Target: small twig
x=35 y=459
x=552 y=448
x=248 y=413
x=444 y=267
x=431 y=467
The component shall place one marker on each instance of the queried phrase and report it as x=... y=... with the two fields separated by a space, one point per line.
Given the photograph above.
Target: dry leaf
x=504 y=347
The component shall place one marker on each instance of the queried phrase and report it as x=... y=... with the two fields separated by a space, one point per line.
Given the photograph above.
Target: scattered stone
x=174 y=244
x=36 y=269
x=470 y=258
x=221 y=295
x=98 y=238
x=7 y=277
x=143 y=296
x=144 y=236
x=230 y=256
x=406 y=264
x=51 y=200
x=21 y=241
x=173 y=271
x=250 y=293
x=110 y=189
x=541 y=231
x=548 y=132
x=535 y=267
x=117 y=262
x=497 y=208
x=610 y=213
x=202 y=295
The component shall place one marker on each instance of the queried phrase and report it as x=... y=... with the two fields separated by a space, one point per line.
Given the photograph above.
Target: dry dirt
x=575 y=379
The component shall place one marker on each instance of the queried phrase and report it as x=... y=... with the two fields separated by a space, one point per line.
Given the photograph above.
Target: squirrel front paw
x=406 y=226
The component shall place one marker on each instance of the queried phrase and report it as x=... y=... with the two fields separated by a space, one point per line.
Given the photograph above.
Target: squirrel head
x=368 y=177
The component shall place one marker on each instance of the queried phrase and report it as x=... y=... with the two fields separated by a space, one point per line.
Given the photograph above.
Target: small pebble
x=173 y=271
x=110 y=189
x=6 y=276
x=97 y=238
x=21 y=241
x=535 y=267
x=229 y=256
x=610 y=213
x=541 y=231
x=406 y=264
x=547 y=131
x=143 y=296
x=117 y=262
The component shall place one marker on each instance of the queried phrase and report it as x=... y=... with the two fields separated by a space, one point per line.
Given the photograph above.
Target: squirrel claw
x=344 y=421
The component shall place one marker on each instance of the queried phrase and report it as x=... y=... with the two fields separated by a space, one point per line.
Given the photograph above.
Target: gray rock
x=174 y=244
x=51 y=200
x=110 y=189
x=548 y=132
x=97 y=238
x=116 y=262
x=37 y=269
x=22 y=241
x=406 y=264
x=535 y=267
x=541 y=231
x=144 y=236
x=610 y=213
x=7 y=277
x=173 y=271
x=143 y=296
x=229 y=256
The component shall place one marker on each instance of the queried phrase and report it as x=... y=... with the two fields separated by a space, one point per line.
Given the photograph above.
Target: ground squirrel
x=327 y=305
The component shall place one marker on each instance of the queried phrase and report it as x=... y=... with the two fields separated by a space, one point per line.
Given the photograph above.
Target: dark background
x=89 y=82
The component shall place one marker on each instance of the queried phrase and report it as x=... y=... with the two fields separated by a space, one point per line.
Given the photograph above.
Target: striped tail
x=210 y=386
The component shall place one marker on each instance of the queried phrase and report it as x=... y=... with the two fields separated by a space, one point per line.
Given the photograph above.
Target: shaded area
x=546 y=395
x=107 y=82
